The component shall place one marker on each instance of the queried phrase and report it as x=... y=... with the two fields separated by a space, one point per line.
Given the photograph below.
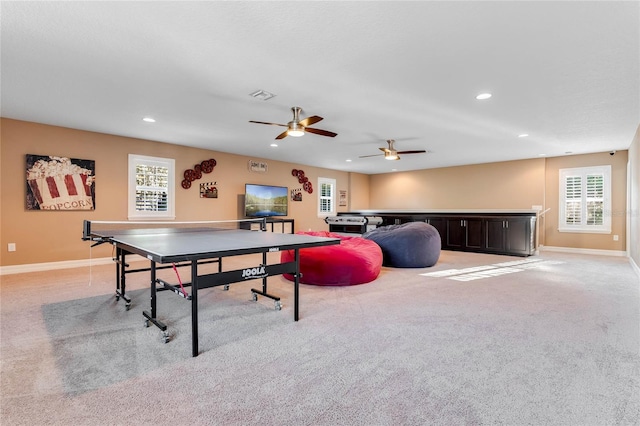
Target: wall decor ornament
x=60 y=183
x=209 y=190
x=191 y=175
x=343 y=198
x=258 y=166
x=296 y=194
x=303 y=180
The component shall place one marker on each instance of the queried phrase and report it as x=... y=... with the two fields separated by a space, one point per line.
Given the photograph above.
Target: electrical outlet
x=615 y=238
x=11 y=247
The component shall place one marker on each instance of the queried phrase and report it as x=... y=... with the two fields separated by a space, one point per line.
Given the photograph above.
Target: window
x=326 y=197
x=151 y=187
x=585 y=199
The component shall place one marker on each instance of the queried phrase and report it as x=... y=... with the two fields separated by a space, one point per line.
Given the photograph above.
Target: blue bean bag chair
x=353 y=261
x=408 y=245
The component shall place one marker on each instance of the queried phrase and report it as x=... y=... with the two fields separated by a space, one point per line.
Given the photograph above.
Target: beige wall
x=618 y=164
x=42 y=236
x=358 y=199
x=634 y=199
x=507 y=185
x=49 y=236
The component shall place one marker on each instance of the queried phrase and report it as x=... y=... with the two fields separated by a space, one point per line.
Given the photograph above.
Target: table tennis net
x=93 y=229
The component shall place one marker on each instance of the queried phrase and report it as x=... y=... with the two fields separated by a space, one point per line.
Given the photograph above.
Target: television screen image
x=265 y=200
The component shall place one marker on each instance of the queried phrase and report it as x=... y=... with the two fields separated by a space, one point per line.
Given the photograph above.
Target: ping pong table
x=164 y=244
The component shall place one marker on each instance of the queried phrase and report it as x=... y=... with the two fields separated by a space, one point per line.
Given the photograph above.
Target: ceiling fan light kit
x=297 y=127
x=390 y=153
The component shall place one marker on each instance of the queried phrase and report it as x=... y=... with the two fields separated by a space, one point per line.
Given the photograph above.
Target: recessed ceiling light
x=541 y=155
x=149 y=120
x=348 y=160
x=394 y=170
x=483 y=96
x=262 y=95
x=275 y=145
x=523 y=135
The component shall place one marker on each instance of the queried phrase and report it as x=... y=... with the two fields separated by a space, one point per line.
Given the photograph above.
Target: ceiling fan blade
x=283 y=134
x=384 y=149
x=374 y=155
x=412 y=152
x=271 y=124
x=320 y=132
x=310 y=120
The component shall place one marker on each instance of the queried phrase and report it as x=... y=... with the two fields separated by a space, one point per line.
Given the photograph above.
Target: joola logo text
x=258 y=272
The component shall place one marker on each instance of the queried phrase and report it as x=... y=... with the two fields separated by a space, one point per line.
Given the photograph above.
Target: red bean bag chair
x=353 y=261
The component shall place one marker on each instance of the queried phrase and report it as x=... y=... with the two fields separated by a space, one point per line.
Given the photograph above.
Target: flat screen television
x=265 y=200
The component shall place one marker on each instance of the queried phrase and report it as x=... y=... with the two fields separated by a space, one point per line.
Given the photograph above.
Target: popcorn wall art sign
x=60 y=183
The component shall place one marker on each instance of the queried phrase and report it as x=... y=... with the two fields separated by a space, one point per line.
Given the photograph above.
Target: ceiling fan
x=297 y=127
x=391 y=153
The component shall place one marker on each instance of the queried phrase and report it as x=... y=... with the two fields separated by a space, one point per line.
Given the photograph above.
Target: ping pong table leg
x=118 y=260
x=255 y=293
x=194 y=308
x=151 y=316
x=154 y=292
x=121 y=272
x=296 y=287
x=264 y=280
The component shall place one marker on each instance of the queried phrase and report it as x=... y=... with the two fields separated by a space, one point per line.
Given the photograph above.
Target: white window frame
x=583 y=226
x=133 y=213
x=329 y=199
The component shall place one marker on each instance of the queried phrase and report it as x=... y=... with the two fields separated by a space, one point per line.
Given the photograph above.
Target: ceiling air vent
x=262 y=95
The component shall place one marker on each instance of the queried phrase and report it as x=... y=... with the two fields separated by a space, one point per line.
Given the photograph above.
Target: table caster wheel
x=117 y=297
x=165 y=337
x=146 y=323
x=278 y=305
x=127 y=306
x=254 y=296
x=225 y=288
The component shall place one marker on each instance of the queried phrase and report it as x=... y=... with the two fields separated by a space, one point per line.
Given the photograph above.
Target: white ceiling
x=567 y=73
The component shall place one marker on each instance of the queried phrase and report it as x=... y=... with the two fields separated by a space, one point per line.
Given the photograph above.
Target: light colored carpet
x=479 y=340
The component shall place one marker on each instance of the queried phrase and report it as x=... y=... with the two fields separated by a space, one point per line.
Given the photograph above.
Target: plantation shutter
x=573 y=200
x=585 y=199
x=326 y=195
x=152 y=187
x=595 y=199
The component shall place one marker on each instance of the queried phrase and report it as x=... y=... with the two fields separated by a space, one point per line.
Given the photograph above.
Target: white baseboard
x=584 y=251
x=68 y=264
x=49 y=266
x=635 y=266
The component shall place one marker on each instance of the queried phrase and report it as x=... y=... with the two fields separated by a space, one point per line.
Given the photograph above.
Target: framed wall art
x=60 y=183
x=342 y=201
